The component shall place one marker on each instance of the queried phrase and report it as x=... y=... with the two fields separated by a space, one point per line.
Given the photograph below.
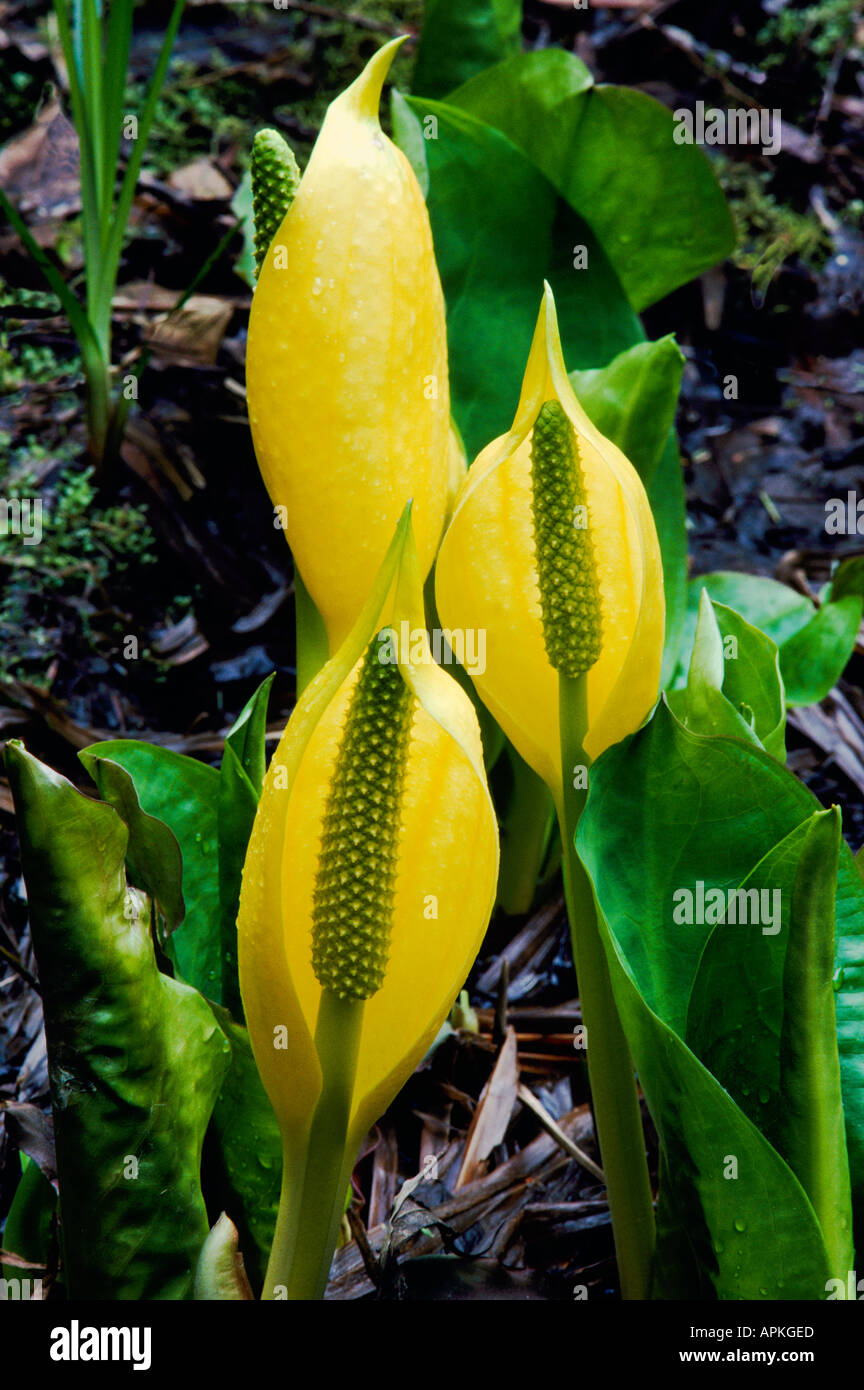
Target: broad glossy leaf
x=734 y=685
x=813 y=660
x=244 y=1153
x=500 y=229
x=655 y=206
x=246 y=735
x=632 y=401
x=27 y=1229
x=774 y=608
x=716 y=808
x=236 y=809
x=153 y=858
x=814 y=644
x=666 y=495
x=755 y=1237
x=768 y=1031
x=184 y=794
x=135 y=1058
x=752 y=679
x=240 y=778
x=706 y=1221
x=459 y=40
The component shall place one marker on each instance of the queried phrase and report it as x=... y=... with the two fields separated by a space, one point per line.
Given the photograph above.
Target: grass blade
x=117 y=43
x=94 y=361
x=91 y=80
x=133 y=168
x=70 y=46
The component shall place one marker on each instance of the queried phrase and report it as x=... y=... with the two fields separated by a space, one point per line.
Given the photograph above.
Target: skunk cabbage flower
x=552 y=550
x=368 y=883
x=275 y=180
x=347 y=359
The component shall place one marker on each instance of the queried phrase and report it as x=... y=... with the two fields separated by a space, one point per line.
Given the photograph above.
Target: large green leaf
x=135 y=1058
x=153 y=858
x=814 y=644
x=500 y=229
x=459 y=40
x=633 y=401
x=654 y=205
x=717 y=808
x=813 y=660
x=183 y=794
x=734 y=686
x=774 y=608
x=27 y=1229
x=246 y=737
x=244 y=1153
x=165 y=796
x=786 y=1075
x=240 y=777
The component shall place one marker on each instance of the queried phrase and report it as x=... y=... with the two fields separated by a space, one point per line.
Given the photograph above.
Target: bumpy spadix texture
x=346 y=365
x=564 y=551
x=488 y=577
x=356 y=879
x=438 y=833
x=275 y=180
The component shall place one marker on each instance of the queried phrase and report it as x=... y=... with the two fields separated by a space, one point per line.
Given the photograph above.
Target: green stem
x=610 y=1069
x=287 y=1218
x=306 y=1251
x=313 y=651
x=524 y=837
x=97 y=374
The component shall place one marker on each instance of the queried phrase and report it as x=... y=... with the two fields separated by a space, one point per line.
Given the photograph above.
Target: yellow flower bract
x=346 y=362
x=486 y=576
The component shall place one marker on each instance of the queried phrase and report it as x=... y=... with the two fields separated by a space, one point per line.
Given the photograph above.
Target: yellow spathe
x=486 y=576
x=446 y=875
x=346 y=364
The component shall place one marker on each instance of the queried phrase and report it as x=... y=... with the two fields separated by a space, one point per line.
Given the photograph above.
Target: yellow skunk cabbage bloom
x=368 y=883
x=346 y=364
x=552 y=550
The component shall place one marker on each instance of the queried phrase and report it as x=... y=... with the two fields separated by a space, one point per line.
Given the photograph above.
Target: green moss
x=195 y=115
x=769 y=234
x=84 y=551
x=24 y=363
x=819 y=30
x=21 y=92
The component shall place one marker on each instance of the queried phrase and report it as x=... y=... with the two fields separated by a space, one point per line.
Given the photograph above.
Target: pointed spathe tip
x=363 y=97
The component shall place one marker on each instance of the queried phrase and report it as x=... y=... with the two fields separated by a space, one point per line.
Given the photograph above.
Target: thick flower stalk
x=346 y=363
x=368 y=884
x=552 y=550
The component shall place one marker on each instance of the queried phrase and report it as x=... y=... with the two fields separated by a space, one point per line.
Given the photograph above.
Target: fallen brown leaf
x=193 y=333
x=39 y=168
x=201 y=180
x=492 y=1116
